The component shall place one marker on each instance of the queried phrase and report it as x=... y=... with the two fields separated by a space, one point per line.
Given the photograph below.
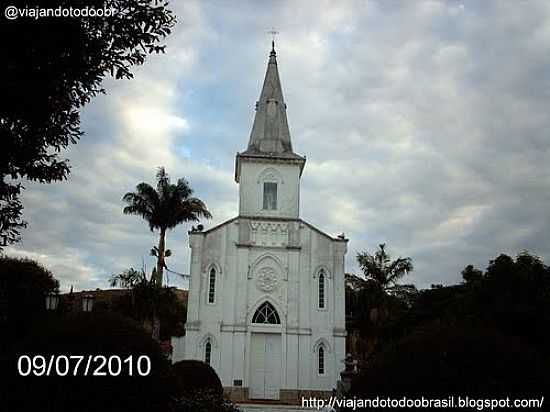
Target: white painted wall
x=253 y=174
x=178 y=348
x=267 y=255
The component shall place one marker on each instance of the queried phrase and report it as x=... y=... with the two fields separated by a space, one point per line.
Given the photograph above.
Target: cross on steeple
x=273 y=33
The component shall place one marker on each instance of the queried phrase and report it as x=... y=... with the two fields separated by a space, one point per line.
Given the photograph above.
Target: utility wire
x=177 y=273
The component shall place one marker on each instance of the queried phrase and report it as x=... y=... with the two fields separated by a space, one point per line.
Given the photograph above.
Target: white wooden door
x=265 y=366
x=257 y=366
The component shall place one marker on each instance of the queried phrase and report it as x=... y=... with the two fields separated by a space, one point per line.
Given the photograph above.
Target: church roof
x=270 y=136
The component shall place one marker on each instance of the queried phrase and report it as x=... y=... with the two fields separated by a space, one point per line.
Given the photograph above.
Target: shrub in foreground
x=93 y=334
x=444 y=360
x=193 y=375
x=203 y=400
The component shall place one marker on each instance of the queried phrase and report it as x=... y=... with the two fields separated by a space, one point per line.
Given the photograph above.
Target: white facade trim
x=270 y=174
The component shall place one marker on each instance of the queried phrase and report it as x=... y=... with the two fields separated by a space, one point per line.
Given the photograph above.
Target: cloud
x=425 y=125
x=71 y=264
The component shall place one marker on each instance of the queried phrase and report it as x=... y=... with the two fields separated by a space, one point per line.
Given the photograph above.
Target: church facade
x=266 y=295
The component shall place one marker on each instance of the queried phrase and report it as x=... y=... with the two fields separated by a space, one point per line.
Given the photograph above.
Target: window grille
x=322 y=290
x=266 y=314
x=321 y=360
x=212 y=286
x=207 y=351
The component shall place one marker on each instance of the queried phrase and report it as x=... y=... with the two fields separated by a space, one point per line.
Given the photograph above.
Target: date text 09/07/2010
x=83 y=365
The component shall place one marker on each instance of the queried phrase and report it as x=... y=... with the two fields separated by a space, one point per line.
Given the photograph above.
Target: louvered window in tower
x=270 y=196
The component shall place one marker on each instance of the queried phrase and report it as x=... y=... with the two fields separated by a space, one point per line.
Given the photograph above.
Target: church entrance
x=265 y=366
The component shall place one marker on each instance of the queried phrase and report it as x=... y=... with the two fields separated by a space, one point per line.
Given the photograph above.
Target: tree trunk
x=155 y=321
x=160 y=258
x=155 y=326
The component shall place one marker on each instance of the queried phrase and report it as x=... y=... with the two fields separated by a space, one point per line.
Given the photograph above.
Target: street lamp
x=52 y=300
x=87 y=303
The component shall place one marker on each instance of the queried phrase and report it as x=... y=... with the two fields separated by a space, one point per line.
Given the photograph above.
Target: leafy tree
x=381 y=268
x=489 y=334
x=164 y=208
x=353 y=284
x=471 y=274
x=437 y=360
x=24 y=284
x=514 y=295
x=407 y=294
x=51 y=68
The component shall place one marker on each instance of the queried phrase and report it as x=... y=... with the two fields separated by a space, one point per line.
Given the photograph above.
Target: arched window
x=207 y=351
x=321 y=365
x=266 y=313
x=269 y=181
x=322 y=289
x=212 y=286
x=270 y=196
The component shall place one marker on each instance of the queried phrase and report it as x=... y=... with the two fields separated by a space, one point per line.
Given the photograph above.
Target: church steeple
x=268 y=171
x=270 y=137
x=270 y=134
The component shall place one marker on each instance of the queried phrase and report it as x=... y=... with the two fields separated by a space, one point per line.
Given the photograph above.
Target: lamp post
x=87 y=303
x=52 y=301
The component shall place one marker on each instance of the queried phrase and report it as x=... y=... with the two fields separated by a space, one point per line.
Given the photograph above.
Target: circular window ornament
x=267 y=280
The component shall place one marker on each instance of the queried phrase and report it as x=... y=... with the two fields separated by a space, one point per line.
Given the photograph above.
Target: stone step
x=259 y=407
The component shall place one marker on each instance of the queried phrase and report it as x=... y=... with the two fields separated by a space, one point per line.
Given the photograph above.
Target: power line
x=177 y=273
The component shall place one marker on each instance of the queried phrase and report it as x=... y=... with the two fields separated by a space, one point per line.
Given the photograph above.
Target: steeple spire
x=270 y=137
x=270 y=133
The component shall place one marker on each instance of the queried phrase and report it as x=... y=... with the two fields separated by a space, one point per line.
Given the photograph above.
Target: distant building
x=104 y=299
x=266 y=298
x=107 y=300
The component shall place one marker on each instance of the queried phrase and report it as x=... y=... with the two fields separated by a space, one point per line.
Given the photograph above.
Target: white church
x=266 y=295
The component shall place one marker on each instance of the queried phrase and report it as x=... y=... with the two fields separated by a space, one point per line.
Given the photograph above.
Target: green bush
x=198 y=388
x=203 y=400
x=194 y=375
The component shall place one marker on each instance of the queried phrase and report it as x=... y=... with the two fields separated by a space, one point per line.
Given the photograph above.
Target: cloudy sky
x=426 y=125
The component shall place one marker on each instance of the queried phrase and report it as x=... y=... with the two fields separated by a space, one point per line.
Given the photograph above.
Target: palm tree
x=149 y=303
x=382 y=269
x=129 y=279
x=378 y=300
x=164 y=208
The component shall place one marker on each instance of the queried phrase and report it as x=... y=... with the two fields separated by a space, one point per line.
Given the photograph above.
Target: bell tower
x=266 y=304
x=268 y=171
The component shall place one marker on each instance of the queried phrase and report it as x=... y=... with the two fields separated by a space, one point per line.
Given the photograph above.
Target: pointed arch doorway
x=265 y=353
